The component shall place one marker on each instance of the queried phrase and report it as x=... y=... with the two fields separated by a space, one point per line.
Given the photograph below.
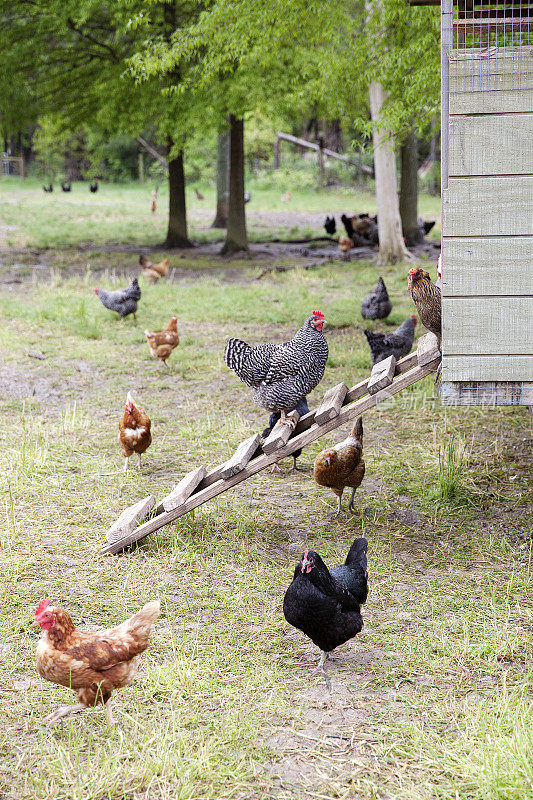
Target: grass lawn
x=120 y=213
x=431 y=701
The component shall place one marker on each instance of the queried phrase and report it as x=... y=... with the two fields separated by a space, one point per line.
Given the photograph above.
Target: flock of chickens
x=323 y=603
x=362 y=231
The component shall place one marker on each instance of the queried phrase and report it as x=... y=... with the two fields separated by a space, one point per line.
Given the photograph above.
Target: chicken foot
x=64 y=711
x=351 y=508
x=285 y=420
x=294 y=468
x=321 y=670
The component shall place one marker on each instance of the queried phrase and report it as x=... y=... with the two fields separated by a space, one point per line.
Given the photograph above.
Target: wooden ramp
x=339 y=406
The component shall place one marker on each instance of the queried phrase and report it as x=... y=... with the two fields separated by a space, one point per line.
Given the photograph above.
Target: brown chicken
x=427 y=299
x=134 y=431
x=345 y=245
x=93 y=664
x=153 y=271
x=342 y=465
x=162 y=343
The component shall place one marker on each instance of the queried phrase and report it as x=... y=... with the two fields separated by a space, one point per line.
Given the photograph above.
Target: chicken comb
x=41 y=608
x=318 y=314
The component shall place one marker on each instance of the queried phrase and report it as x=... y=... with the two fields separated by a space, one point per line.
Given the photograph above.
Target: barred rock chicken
x=153 y=271
x=397 y=344
x=134 y=431
x=302 y=408
x=342 y=465
x=427 y=299
x=162 y=343
x=123 y=301
x=377 y=304
x=330 y=225
x=326 y=604
x=281 y=374
x=93 y=664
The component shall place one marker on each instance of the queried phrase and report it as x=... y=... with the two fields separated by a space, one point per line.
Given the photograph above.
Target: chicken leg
x=64 y=711
x=126 y=463
x=285 y=420
x=140 y=462
x=321 y=670
x=351 y=508
x=294 y=468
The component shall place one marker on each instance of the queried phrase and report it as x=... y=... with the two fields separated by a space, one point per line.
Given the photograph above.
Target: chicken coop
x=487 y=202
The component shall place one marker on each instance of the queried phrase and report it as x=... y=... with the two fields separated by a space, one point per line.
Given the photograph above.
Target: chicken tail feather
x=357 y=430
x=235 y=355
x=357 y=554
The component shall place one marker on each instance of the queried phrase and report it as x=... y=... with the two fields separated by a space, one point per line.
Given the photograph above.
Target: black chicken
x=284 y=373
x=302 y=408
x=65 y=186
x=397 y=344
x=326 y=604
x=48 y=188
x=93 y=186
x=347 y=222
x=377 y=304
x=330 y=225
x=123 y=301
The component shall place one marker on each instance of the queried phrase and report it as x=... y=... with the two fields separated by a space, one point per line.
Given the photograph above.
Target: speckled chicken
x=134 y=431
x=427 y=299
x=284 y=373
x=342 y=465
x=92 y=663
x=397 y=344
x=377 y=304
x=123 y=301
x=326 y=603
x=162 y=343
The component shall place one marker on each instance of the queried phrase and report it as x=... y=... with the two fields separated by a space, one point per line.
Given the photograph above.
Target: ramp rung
x=129 y=519
x=331 y=403
x=427 y=349
x=184 y=489
x=280 y=434
x=382 y=375
x=241 y=456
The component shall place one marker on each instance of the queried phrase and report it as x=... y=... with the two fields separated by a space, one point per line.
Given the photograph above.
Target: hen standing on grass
x=282 y=374
x=134 y=431
x=397 y=344
x=342 y=465
x=92 y=664
x=377 y=304
x=162 y=343
x=123 y=301
x=427 y=299
x=326 y=604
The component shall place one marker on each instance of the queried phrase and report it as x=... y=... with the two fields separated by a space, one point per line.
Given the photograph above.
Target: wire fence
x=491 y=45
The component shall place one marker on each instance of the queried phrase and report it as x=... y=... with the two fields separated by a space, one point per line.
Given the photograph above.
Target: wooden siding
x=487 y=326
x=491 y=145
x=487 y=368
x=493 y=265
x=488 y=206
x=492 y=102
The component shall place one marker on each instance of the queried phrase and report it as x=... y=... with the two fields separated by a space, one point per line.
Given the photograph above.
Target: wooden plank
x=403 y=365
x=427 y=349
x=129 y=519
x=331 y=403
x=490 y=69
x=382 y=375
x=280 y=434
x=487 y=394
x=491 y=145
x=347 y=413
x=485 y=326
x=487 y=266
x=487 y=368
x=500 y=206
x=241 y=456
x=184 y=489
x=492 y=102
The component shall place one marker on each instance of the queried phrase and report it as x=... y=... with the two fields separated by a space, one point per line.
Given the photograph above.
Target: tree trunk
x=221 y=217
x=236 y=237
x=334 y=136
x=391 y=244
x=409 y=190
x=177 y=214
